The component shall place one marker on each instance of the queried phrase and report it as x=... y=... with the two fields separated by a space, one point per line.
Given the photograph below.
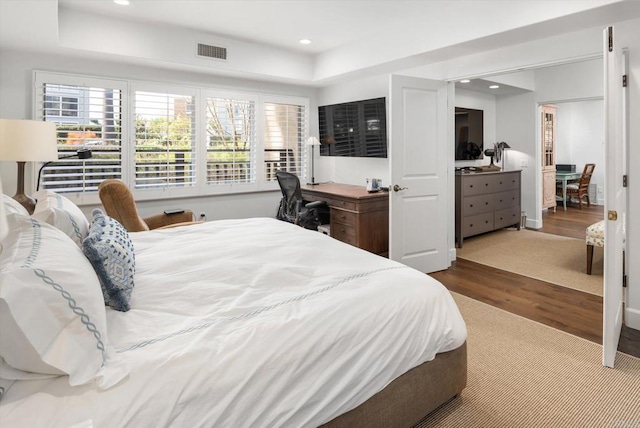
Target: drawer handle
x=471 y=225
x=500 y=218
x=470 y=205
x=486 y=184
x=343 y=217
x=486 y=222
x=500 y=200
x=471 y=185
x=486 y=203
x=501 y=182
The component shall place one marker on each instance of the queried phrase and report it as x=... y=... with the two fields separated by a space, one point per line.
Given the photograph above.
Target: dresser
x=357 y=217
x=486 y=201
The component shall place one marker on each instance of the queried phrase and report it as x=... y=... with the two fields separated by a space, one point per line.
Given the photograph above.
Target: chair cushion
x=572 y=186
x=110 y=251
x=595 y=234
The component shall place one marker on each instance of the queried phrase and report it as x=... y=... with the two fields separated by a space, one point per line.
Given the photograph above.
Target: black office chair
x=294 y=209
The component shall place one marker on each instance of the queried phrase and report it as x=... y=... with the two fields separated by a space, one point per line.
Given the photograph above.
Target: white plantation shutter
x=164 y=140
x=231 y=140
x=285 y=139
x=87 y=116
x=167 y=141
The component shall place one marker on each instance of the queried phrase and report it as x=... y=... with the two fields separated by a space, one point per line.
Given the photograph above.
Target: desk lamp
x=80 y=154
x=27 y=141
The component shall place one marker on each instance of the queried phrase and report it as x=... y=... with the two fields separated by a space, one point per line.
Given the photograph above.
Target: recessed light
x=122 y=2
x=305 y=41
x=465 y=81
x=494 y=87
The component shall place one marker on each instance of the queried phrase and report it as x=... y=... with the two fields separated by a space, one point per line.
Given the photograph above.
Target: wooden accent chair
x=119 y=204
x=580 y=189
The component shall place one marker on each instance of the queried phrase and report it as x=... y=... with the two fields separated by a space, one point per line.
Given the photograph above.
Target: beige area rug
x=551 y=258
x=525 y=374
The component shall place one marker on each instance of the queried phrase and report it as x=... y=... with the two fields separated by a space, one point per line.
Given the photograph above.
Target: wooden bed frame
x=412 y=396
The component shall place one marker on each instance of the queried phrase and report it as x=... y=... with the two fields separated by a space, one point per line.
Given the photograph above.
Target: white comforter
x=251 y=323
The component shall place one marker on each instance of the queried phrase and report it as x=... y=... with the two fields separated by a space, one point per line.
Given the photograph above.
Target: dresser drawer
x=478 y=184
x=344 y=233
x=507 y=217
x=343 y=217
x=507 y=181
x=505 y=200
x=475 y=224
x=473 y=205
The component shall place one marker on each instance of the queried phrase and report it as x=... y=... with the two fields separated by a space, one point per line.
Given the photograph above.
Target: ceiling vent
x=209 y=51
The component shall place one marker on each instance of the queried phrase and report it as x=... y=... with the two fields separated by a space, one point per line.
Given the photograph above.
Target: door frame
x=538 y=142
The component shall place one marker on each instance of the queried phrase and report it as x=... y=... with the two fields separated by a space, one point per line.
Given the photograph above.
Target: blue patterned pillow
x=110 y=251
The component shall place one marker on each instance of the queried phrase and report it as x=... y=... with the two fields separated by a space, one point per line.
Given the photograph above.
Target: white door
x=615 y=145
x=421 y=130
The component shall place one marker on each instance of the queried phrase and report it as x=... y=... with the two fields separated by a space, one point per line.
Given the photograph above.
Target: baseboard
x=452 y=254
x=533 y=223
x=632 y=318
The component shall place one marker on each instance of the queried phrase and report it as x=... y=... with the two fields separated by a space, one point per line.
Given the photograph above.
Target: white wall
x=580 y=129
x=516 y=124
x=16 y=88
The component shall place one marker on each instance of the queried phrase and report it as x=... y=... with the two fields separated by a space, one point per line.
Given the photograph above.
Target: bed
x=252 y=322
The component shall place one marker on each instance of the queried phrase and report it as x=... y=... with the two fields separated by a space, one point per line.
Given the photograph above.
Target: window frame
x=201 y=188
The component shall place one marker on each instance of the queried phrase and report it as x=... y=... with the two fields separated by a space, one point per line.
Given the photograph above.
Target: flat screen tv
x=354 y=129
x=469 y=133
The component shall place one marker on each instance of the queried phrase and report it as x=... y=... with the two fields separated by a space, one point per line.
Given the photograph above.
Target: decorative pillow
x=110 y=251
x=52 y=316
x=60 y=212
x=11 y=206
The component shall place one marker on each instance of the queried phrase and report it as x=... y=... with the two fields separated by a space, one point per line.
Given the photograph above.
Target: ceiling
x=262 y=36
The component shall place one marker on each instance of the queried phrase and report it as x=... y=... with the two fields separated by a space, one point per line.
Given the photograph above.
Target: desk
x=564 y=177
x=357 y=217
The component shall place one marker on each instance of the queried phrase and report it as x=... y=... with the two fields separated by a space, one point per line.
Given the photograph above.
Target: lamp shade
x=27 y=141
x=313 y=141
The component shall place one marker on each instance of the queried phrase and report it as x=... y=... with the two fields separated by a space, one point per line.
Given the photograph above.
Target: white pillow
x=52 y=314
x=60 y=212
x=11 y=206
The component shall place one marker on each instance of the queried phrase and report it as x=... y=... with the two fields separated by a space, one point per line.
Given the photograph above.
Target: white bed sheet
x=252 y=323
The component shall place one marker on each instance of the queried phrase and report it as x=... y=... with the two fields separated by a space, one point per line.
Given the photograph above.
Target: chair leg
x=580 y=201
x=589 y=258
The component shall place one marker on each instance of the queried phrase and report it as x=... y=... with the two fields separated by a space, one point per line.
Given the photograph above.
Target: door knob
x=397 y=188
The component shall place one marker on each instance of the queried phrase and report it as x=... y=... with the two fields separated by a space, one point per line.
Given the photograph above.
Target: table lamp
x=503 y=145
x=27 y=141
x=313 y=141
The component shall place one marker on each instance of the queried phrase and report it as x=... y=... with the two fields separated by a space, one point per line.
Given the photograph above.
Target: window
x=230 y=141
x=97 y=123
x=166 y=141
x=284 y=139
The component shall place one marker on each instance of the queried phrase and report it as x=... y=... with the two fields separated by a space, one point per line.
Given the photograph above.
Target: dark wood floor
x=560 y=307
